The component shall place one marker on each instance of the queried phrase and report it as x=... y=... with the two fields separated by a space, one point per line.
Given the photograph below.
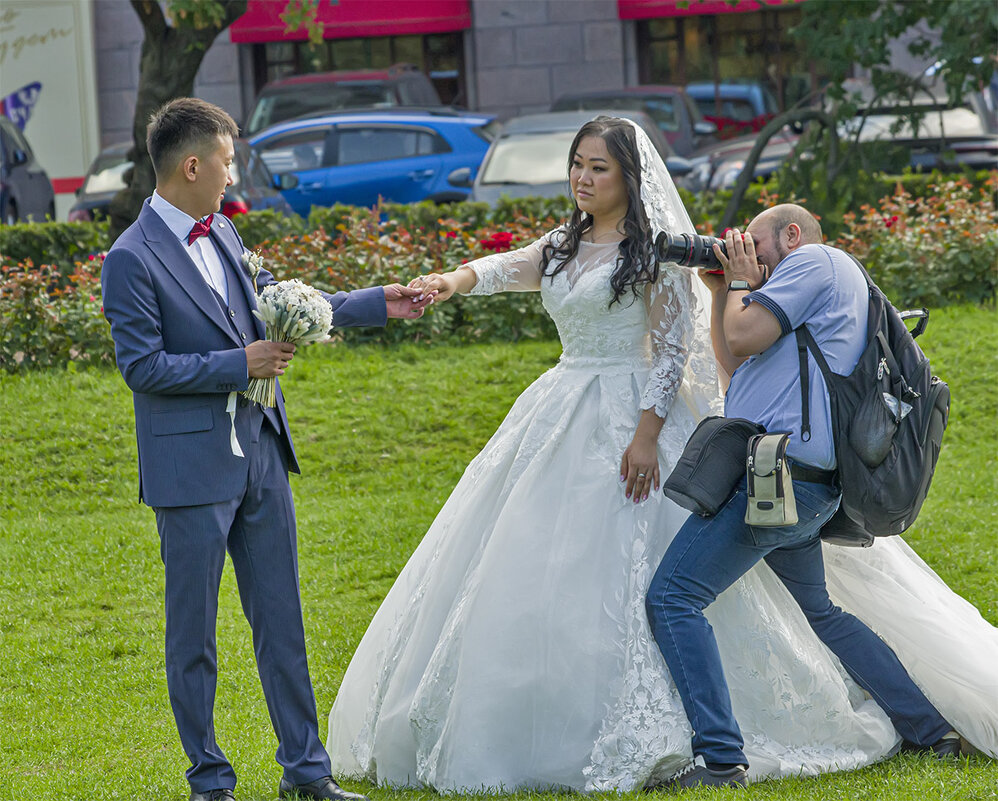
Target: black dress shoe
x=221 y=794
x=324 y=788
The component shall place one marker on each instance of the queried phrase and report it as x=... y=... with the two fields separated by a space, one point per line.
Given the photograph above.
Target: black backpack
x=888 y=418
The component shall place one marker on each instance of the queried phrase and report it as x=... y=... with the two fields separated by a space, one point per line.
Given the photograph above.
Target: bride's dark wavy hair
x=636 y=262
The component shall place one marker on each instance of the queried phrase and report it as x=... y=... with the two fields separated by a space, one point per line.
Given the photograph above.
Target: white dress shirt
x=202 y=252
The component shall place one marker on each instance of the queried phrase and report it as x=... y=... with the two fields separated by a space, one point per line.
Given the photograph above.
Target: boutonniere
x=253 y=262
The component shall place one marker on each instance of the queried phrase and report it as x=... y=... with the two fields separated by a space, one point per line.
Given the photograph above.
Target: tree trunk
x=746 y=176
x=171 y=57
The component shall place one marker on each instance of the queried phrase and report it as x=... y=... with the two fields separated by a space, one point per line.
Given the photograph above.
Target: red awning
x=651 y=9
x=350 y=18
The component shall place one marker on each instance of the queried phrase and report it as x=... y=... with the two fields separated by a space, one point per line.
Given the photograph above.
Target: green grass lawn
x=382 y=435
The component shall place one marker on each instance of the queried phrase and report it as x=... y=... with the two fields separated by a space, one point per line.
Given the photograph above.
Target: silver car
x=529 y=156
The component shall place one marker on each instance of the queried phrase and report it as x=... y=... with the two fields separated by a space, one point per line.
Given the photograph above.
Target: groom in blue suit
x=212 y=465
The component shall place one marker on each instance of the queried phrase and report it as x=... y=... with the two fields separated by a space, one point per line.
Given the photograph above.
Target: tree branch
x=746 y=176
x=234 y=9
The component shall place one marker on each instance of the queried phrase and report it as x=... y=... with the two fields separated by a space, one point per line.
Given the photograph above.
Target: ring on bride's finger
x=642 y=475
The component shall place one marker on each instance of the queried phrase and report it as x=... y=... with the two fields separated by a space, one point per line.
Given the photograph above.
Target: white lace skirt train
x=513 y=651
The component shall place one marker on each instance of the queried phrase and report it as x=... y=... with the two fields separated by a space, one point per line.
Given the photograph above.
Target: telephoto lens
x=689 y=250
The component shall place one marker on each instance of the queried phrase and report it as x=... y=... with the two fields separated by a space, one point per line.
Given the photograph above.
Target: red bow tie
x=200 y=229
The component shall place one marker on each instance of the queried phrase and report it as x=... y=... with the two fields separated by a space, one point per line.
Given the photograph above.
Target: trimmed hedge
x=58 y=243
x=926 y=243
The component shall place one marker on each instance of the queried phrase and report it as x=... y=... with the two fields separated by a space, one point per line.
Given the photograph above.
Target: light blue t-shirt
x=822 y=287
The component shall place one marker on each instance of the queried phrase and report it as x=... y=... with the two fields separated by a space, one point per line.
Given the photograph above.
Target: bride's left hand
x=639 y=467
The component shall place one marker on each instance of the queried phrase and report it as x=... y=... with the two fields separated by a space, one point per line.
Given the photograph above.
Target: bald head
x=779 y=217
x=778 y=231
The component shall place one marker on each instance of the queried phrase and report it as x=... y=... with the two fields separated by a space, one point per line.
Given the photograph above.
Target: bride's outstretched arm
x=440 y=286
x=512 y=271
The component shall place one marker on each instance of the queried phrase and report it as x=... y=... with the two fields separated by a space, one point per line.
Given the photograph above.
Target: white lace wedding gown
x=513 y=651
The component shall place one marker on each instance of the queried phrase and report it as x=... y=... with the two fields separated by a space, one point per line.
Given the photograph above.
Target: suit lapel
x=171 y=254
x=222 y=234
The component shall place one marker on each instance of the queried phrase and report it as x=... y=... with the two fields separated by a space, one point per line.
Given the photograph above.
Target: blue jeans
x=707 y=556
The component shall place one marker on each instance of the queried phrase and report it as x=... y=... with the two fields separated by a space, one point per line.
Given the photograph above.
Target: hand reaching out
x=406 y=303
x=443 y=285
x=435 y=284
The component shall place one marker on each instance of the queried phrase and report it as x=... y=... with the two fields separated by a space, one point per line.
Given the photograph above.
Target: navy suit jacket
x=180 y=357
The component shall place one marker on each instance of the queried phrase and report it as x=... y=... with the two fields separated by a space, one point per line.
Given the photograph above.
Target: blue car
x=355 y=158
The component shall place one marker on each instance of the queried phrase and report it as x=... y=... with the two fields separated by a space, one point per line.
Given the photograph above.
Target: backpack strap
x=805 y=343
x=862 y=269
x=805 y=389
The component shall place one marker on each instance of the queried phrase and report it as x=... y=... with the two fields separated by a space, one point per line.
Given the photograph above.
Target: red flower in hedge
x=499 y=241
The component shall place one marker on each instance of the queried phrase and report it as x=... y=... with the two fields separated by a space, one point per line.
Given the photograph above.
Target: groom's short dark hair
x=184 y=125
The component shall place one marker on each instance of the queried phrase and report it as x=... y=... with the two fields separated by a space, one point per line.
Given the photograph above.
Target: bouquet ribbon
x=230 y=407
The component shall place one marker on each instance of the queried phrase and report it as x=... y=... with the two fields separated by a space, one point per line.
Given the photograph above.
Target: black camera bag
x=885 y=464
x=711 y=464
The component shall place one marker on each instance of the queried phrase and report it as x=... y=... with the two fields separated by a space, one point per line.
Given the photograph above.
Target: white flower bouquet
x=293 y=312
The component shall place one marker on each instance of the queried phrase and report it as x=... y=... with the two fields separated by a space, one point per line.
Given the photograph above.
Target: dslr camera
x=689 y=250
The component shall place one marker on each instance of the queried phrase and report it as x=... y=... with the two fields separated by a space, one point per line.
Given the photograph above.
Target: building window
x=714 y=47
x=439 y=55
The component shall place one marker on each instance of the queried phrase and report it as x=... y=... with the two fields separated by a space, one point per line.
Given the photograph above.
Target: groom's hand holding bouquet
x=295 y=313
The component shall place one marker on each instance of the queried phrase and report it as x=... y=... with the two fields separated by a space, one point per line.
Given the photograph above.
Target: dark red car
x=253 y=186
x=736 y=107
x=297 y=95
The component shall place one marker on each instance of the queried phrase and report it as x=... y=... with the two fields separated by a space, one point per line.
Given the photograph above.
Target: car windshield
x=539 y=158
x=300 y=99
x=662 y=109
x=258 y=172
x=108 y=175
x=936 y=121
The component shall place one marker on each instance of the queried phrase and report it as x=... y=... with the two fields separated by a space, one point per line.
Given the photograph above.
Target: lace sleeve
x=670 y=321
x=512 y=271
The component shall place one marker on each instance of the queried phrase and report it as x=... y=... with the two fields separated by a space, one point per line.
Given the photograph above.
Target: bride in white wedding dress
x=513 y=651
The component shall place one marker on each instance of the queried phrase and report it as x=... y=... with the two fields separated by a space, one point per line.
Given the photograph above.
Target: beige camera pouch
x=770 y=487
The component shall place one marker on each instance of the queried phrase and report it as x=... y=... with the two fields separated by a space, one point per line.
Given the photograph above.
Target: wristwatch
x=739 y=285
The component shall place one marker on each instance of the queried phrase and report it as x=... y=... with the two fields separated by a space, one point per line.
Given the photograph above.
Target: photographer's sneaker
x=697 y=774
x=949 y=747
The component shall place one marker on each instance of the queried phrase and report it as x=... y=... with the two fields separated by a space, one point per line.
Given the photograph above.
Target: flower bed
x=934 y=244
x=933 y=250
